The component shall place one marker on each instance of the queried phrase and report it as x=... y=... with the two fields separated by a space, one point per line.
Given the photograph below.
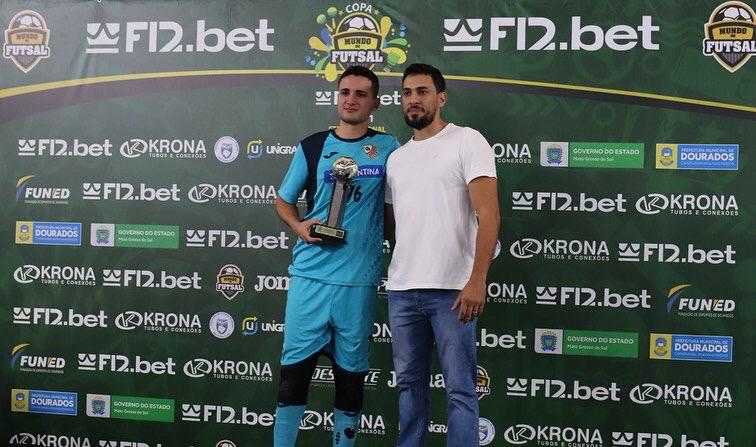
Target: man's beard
x=421 y=122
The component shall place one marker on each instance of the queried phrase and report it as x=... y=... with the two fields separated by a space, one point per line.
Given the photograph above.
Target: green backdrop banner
x=144 y=270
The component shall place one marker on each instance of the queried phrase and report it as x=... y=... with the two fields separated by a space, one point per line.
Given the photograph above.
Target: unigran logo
x=358 y=34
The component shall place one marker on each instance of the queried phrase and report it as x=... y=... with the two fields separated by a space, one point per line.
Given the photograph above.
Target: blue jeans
x=417 y=318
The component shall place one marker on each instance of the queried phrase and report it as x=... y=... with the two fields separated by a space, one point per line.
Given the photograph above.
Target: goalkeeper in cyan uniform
x=333 y=286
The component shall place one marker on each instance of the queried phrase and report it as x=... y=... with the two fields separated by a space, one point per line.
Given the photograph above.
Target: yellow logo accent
x=23 y=232
x=660 y=347
x=729 y=35
x=357 y=35
x=20 y=400
x=666 y=156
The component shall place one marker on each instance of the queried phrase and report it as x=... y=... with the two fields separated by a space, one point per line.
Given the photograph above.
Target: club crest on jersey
x=370 y=150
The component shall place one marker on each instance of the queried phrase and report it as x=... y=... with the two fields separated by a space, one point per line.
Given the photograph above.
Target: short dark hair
x=359 y=70
x=430 y=70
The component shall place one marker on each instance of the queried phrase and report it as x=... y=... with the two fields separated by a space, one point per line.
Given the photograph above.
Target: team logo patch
x=370 y=150
x=27 y=40
x=358 y=34
x=729 y=35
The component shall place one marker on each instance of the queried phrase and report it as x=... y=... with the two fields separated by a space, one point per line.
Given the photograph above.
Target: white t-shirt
x=436 y=225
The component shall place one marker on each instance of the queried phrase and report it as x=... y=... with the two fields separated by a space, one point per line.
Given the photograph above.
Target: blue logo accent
x=702 y=348
x=23 y=182
x=673 y=298
x=56 y=233
x=53 y=402
x=708 y=156
x=367 y=171
x=554 y=155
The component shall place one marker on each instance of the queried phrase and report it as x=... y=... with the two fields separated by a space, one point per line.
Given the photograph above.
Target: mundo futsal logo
x=358 y=34
x=27 y=40
x=729 y=35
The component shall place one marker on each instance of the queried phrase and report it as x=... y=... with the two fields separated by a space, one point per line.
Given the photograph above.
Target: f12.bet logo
x=106 y=38
x=467 y=34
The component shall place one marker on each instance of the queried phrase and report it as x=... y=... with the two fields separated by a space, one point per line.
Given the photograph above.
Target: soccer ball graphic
x=27 y=21
x=231 y=270
x=733 y=13
x=360 y=23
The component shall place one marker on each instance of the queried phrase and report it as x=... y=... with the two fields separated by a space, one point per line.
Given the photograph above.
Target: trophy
x=344 y=170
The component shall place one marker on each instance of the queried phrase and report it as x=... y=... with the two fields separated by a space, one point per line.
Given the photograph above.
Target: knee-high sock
x=345 y=426
x=286 y=427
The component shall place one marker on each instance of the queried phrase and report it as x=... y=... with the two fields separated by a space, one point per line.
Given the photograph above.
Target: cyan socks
x=286 y=427
x=345 y=426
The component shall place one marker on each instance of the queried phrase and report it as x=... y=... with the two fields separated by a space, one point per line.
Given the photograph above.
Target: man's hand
x=471 y=300
x=290 y=216
x=303 y=230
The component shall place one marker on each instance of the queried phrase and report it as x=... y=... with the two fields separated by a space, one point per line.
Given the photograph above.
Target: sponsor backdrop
x=144 y=271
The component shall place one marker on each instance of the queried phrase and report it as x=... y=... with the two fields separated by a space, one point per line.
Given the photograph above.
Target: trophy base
x=330 y=235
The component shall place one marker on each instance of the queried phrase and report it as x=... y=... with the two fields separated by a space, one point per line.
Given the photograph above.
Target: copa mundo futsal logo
x=27 y=40
x=729 y=35
x=357 y=34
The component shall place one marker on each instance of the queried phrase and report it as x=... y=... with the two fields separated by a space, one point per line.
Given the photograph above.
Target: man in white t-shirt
x=441 y=190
